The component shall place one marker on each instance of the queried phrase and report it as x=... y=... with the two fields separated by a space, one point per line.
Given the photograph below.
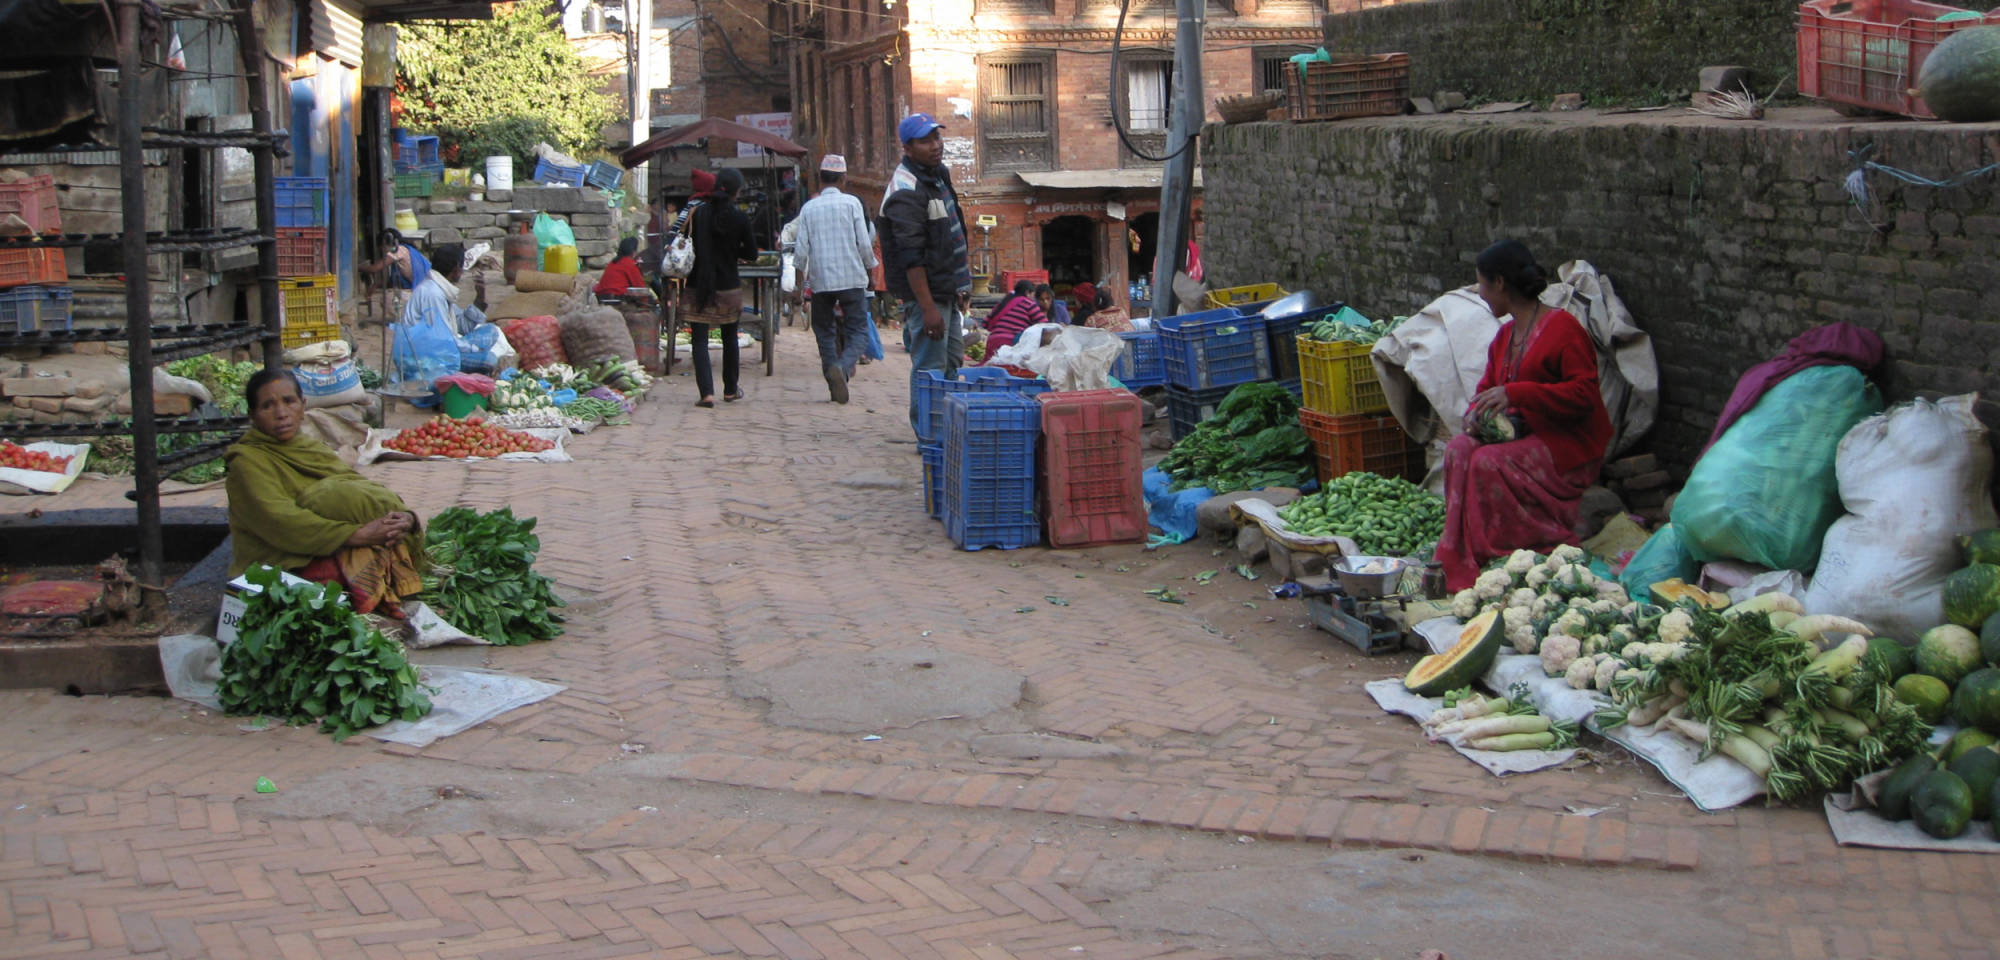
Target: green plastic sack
x=1766 y=492
x=1661 y=557
x=550 y=232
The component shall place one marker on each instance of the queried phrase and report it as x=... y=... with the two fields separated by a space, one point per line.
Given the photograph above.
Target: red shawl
x=1555 y=389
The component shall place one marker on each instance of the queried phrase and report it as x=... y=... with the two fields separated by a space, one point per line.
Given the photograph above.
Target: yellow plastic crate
x=1248 y=293
x=1338 y=379
x=309 y=309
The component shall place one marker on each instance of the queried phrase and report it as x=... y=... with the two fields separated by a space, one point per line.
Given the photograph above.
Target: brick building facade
x=1024 y=90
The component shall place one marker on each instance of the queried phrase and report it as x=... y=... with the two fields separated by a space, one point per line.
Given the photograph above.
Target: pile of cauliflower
x=1585 y=629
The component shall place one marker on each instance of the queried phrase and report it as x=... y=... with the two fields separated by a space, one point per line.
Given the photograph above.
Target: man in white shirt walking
x=838 y=245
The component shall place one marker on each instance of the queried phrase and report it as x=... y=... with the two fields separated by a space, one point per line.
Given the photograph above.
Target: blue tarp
x=1172 y=513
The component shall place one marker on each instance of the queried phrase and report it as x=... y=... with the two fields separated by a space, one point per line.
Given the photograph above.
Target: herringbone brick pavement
x=635 y=814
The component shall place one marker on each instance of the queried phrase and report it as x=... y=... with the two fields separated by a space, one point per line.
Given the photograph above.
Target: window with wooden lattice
x=1017 y=127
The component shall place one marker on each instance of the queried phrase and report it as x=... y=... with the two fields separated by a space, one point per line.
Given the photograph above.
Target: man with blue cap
x=924 y=252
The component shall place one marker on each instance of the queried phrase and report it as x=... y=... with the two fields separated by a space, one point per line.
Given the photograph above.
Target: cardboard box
x=233 y=604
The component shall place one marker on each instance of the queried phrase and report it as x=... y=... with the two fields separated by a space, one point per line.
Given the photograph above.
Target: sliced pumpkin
x=1478 y=643
x=1668 y=593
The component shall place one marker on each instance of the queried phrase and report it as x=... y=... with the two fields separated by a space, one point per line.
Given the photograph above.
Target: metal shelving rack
x=149 y=344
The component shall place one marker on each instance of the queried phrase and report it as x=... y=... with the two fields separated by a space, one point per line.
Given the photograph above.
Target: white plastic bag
x=1912 y=479
x=1079 y=358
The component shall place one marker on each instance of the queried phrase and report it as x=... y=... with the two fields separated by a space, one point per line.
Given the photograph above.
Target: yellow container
x=1248 y=293
x=406 y=221
x=1338 y=379
x=560 y=258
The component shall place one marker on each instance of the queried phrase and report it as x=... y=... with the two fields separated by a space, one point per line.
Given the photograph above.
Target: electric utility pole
x=1177 y=185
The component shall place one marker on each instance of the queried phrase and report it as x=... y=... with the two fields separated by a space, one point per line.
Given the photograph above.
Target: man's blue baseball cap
x=916 y=126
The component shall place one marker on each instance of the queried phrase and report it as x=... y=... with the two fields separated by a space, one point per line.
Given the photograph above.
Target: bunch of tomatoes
x=22 y=458
x=471 y=437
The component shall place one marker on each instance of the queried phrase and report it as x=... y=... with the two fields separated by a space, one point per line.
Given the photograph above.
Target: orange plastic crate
x=301 y=251
x=1378 y=445
x=34 y=200
x=1867 y=53
x=1337 y=379
x=42 y=265
x=1092 y=458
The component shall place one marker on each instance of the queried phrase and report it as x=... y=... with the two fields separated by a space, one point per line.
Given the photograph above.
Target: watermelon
x=1968 y=739
x=1960 y=80
x=1941 y=804
x=1989 y=639
x=1972 y=594
x=1978 y=768
x=1926 y=694
x=1981 y=547
x=1976 y=702
x=1892 y=797
x=1891 y=658
x=1948 y=653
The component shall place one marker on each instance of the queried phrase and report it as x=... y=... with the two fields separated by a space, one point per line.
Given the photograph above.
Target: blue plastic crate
x=556 y=175
x=1143 y=364
x=34 y=309
x=989 y=470
x=1214 y=348
x=932 y=387
x=604 y=176
x=933 y=454
x=414 y=153
x=301 y=201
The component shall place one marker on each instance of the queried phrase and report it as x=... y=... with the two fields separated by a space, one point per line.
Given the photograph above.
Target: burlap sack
x=539 y=341
x=595 y=334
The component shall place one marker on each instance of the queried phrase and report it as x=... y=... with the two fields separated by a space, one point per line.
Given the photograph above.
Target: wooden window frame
x=989 y=101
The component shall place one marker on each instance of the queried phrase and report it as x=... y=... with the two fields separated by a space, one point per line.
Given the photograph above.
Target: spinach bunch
x=1254 y=440
x=482 y=577
x=302 y=654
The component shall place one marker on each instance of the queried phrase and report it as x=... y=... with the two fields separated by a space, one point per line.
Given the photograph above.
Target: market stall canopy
x=702 y=130
x=1114 y=179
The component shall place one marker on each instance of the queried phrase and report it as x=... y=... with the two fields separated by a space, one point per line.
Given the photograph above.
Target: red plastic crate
x=1091 y=462
x=34 y=200
x=1867 y=53
x=1378 y=445
x=43 y=265
x=301 y=251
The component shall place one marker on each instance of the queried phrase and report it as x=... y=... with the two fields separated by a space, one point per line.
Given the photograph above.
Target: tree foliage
x=499 y=86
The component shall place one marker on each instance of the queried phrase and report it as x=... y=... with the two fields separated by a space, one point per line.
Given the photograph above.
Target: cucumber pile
x=1384 y=516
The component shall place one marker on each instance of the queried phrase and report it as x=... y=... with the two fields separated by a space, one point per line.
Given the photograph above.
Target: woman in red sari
x=1541 y=378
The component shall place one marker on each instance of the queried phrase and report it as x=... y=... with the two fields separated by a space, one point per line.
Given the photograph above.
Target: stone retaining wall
x=596 y=226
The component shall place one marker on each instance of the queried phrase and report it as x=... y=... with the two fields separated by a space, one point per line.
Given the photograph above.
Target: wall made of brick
x=1604 y=49
x=1724 y=239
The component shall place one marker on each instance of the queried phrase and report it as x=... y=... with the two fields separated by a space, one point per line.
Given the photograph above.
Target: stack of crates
x=415 y=154
x=1091 y=457
x=989 y=470
x=34 y=296
x=1345 y=412
x=301 y=201
x=1207 y=354
x=309 y=309
x=932 y=387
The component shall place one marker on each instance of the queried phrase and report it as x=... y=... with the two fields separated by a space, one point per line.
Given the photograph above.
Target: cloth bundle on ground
x=1913 y=480
x=538 y=340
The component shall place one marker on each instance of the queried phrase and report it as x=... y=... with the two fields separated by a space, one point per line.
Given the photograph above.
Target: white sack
x=1913 y=478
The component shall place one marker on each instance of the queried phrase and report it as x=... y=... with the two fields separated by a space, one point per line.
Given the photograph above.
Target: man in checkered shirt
x=838 y=245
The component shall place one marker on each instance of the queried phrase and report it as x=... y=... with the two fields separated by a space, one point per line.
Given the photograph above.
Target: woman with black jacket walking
x=714 y=293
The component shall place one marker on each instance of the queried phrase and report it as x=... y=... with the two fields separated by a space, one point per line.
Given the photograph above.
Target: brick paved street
x=1243 y=797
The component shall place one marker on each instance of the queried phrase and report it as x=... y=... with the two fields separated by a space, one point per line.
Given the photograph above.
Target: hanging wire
x=1118 y=122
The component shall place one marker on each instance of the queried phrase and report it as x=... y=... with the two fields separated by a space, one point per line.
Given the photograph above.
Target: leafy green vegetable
x=302 y=654
x=482 y=576
x=223 y=379
x=1253 y=440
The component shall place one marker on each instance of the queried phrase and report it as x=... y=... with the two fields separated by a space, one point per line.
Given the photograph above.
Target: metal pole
x=138 y=296
x=1177 y=184
x=250 y=41
x=639 y=16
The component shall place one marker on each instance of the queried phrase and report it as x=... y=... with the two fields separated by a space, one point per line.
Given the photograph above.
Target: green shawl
x=294 y=501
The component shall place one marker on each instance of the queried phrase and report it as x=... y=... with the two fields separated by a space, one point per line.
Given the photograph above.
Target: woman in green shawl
x=294 y=505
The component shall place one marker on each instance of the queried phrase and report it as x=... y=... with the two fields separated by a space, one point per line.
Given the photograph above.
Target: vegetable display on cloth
x=1498 y=724
x=1384 y=516
x=22 y=458
x=519 y=394
x=482 y=576
x=1254 y=440
x=302 y=654
x=471 y=437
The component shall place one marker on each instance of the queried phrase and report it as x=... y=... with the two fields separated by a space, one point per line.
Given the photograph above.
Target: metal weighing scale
x=1354 y=607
